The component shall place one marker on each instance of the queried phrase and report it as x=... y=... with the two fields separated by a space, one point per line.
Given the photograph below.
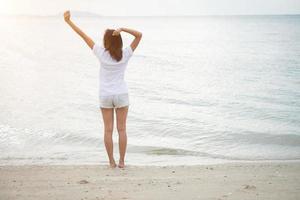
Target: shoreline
x=239 y=180
x=206 y=163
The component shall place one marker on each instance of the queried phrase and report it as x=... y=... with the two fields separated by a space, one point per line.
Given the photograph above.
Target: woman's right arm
x=138 y=36
x=86 y=38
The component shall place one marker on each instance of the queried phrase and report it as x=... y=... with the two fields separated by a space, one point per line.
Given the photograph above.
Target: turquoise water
x=202 y=90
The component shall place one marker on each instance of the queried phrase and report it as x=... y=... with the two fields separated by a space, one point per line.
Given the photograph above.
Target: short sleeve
x=128 y=52
x=98 y=50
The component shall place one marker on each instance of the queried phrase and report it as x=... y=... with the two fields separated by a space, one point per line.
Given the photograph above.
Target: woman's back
x=112 y=72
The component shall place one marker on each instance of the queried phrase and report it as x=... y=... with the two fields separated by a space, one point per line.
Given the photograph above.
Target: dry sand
x=240 y=181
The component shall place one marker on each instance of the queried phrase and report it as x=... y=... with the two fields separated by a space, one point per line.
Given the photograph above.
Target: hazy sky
x=152 y=7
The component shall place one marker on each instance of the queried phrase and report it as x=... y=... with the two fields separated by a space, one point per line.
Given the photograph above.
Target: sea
x=202 y=90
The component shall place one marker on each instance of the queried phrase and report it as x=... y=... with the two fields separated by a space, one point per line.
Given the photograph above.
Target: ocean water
x=202 y=90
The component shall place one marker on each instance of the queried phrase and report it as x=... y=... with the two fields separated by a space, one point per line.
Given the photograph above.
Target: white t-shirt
x=111 y=73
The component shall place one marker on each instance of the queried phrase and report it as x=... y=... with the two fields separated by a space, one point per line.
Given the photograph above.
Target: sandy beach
x=222 y=181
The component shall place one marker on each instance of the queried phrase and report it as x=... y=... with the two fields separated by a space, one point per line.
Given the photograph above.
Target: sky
x=151 y=7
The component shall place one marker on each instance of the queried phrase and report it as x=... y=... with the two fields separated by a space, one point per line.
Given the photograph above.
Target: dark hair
x=113 y=43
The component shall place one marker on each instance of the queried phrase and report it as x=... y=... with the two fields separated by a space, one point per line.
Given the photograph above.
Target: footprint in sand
x=249 y=187
x=83 y=182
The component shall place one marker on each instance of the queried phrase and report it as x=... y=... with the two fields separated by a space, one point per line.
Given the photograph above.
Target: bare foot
x=112 y=164
x=121 y=164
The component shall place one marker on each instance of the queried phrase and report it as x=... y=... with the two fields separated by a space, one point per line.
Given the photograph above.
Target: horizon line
x=95 y=15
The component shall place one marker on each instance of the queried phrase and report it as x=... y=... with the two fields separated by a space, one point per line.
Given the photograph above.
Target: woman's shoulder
x=98 y=49
x=128 y=52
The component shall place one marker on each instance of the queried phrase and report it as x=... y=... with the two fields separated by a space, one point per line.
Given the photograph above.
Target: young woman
x=113 y=93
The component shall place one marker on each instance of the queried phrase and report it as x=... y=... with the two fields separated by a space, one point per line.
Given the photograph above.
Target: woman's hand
x=117 y=32
x=67 y=16
x=85 y=37
x=138 y=36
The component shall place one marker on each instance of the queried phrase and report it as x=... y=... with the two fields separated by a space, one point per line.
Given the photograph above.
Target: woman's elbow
x=140 y=34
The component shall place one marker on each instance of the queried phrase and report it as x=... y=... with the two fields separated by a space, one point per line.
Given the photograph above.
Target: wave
x=250 y=137
x=151 y=150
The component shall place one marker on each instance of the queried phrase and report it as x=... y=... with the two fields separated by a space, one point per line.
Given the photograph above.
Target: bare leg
x=121 y=126
x=108 y=119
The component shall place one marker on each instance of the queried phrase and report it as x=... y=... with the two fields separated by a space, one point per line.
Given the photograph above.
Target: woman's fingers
x=67 y=15
x=116 y=33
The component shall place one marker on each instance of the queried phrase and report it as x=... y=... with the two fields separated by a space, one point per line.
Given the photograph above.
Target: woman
x=113 y=93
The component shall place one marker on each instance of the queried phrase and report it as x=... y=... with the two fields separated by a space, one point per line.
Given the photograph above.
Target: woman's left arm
x=86 y=38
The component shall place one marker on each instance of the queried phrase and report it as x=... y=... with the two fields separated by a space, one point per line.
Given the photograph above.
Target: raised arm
x=136 y=34
x=86 y=38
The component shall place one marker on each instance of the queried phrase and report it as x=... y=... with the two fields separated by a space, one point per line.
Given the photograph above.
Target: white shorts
x=114 y=101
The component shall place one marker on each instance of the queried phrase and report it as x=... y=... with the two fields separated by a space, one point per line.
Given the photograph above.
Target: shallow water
x=202 y=90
